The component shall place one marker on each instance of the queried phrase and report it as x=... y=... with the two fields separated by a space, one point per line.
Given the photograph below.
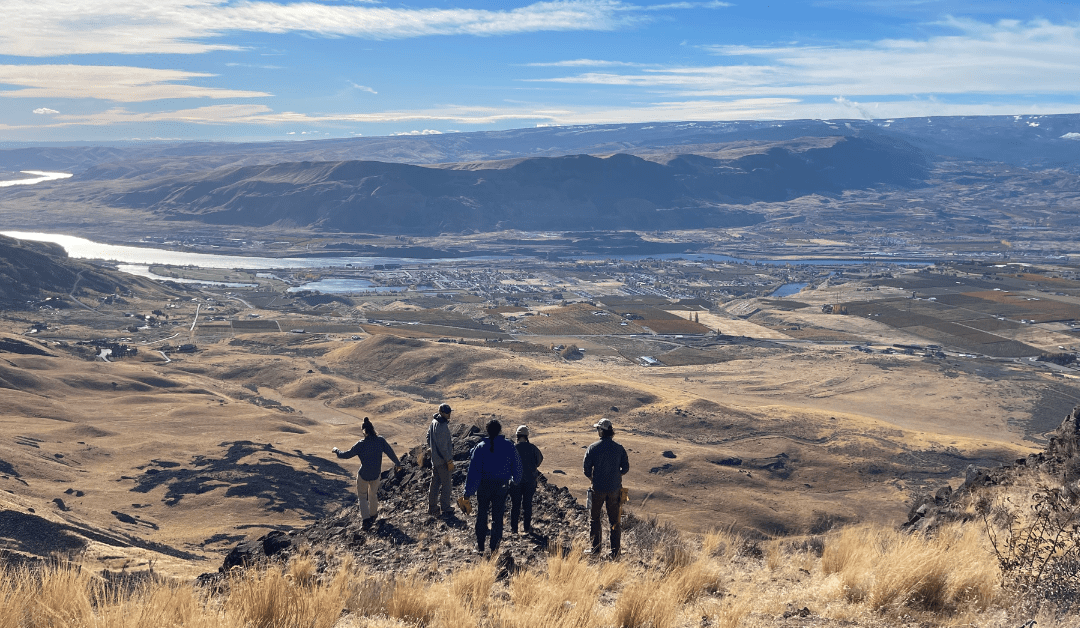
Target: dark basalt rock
x=404 y=538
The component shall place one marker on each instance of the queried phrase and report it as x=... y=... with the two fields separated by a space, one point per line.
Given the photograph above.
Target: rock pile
x=405 y=539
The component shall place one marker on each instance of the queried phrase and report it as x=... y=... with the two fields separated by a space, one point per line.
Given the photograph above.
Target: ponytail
x=494 y=428
x=369 y=429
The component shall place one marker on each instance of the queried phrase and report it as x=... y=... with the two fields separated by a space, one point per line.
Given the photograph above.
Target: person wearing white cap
x=521 y=494
x=605 y=464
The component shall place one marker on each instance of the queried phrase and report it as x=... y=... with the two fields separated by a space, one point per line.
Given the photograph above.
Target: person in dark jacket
x=442 y=457
x=493 y=465
x=370 y=449
x=605 y=464
x=521 y=494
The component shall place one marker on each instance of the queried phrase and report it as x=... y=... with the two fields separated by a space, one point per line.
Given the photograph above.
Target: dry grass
x=866 y=576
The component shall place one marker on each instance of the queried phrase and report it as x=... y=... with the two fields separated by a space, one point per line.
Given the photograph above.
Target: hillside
x=31 y=272
x=576 y=192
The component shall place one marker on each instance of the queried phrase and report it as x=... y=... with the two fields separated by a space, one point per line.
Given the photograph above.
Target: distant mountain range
x=640 y=176
x=542 y=193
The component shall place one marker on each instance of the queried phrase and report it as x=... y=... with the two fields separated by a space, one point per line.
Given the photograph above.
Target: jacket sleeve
x=589 y=463
x=624 y=463
x=472 y=480
x=539 y=456
x=355 y=451
x=389 y=451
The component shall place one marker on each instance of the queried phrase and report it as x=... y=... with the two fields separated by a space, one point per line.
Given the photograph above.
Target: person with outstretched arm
x=605 y=464
x=370 y=449
x=441 y=455
x=493 y=466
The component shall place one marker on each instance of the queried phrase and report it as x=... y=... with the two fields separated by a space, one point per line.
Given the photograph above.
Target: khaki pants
x=367 y=496
x=439 y=491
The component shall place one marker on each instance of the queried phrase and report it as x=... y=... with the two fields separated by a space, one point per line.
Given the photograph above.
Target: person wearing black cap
x=370 y=449
x=442 y=455
x=521 y=494
x=605 y=464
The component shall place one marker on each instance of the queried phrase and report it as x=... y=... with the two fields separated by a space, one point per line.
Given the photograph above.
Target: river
x=39 y=177
x=81 y=248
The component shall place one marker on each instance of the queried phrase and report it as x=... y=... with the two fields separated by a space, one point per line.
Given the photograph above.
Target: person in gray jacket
x=605 y=464
x=370 y=449
x=441 y=456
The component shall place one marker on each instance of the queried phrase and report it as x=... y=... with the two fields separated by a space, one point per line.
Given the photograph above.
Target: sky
x=254 y=70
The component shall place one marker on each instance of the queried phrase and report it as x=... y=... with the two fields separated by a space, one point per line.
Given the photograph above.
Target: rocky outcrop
x=404 y=539
x=1060 y=459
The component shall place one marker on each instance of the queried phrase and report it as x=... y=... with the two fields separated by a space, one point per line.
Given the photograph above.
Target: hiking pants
x=521 y=503
x=367 y=496
x=490 y=496
x=609 y=500
x=439 y=491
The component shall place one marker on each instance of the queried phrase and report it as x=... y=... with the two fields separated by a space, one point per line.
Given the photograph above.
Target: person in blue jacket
x=493 y=465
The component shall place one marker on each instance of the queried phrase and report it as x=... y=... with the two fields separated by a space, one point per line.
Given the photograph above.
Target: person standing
x=605 y=464
x=370 y=449
x=493 y=465
x=521 y=493
x=441 y=456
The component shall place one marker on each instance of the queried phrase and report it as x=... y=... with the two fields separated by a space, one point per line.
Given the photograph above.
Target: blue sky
x=108 y=70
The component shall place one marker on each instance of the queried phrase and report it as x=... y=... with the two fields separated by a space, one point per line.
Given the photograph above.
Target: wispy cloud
x=696 y=110
x=1007 y=57
x=591 y=63
x=687 y=5
x=363 y=88
x=424 y=132
x=38 y=28
x=116 y=83
x=45 y=111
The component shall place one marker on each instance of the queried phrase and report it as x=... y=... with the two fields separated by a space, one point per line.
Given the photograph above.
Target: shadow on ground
x=286 y=480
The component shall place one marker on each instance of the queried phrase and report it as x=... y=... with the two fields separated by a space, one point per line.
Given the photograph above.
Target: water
x=142 y=270
x=82 y=248
x=788 y=289
x=345 y=286
x=41 y=176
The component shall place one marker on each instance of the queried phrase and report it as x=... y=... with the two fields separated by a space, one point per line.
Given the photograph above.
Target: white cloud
x=39 y=28
x=1007 y=57
x=592 y=63
x=363 y=88
x=697 y=110
x=424 y=132
x=45 y=111
x=1071 y=136
x=716 y=4
x=107 y=82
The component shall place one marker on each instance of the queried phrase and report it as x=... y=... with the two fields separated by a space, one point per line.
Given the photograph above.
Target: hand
x=334 y=450
x=397 y=468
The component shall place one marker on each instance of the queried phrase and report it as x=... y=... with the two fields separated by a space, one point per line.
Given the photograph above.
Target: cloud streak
x=1007 y=57
x=39 y=28
x=116 y=83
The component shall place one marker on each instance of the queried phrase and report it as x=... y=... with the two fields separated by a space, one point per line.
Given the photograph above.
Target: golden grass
x=864 y=575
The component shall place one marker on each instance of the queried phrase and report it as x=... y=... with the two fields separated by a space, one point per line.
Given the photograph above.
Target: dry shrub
x=641 y=605
x=472 y=585
x=892 y=570
x=268 y=599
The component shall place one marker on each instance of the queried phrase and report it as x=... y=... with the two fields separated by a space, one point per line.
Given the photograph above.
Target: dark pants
x=521 y=499
x=610 y=501
x=490 y=496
